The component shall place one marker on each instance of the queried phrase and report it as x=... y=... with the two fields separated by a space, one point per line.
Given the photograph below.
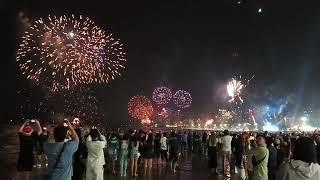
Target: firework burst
x=60 y=52
x=182 y=99
x=140 y=107
x=161 y=95
x=234 y=88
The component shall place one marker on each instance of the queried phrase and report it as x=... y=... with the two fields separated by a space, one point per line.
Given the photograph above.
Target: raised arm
x=103 y=139
x=39 y=127
x=74 y=135
x=23 y=125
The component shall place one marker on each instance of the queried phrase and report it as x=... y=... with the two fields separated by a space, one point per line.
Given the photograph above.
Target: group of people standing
x=77 y=153
x=261 y=156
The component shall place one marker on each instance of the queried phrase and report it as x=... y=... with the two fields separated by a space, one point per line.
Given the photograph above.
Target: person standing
x=303 y=165
x=123 y=154
x=174 y=150
x=190 y=140
x=28 y=139
x=60 y=153
x=212 y=153
x=184 y=142
x=226 y=149
x=157 y=148
x=79 y=158
x=239 y=155
x=163 y=148
x=135 y=154
x=272 y=161
x=204 y=144
x=148 y=154
x=260 y=160
x=317 y=139
x=96 y=142
x=113 y=147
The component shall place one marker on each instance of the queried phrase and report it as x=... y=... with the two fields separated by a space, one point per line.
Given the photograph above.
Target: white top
x=163 y=143
x=299 y=170
x=95 y=152
x=226 y=143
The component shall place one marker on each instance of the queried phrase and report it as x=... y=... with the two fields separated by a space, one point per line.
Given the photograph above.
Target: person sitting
x=60 y=153
x=303 y=164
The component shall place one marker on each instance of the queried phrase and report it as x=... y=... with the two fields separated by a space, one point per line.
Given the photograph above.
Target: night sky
x=193 y=45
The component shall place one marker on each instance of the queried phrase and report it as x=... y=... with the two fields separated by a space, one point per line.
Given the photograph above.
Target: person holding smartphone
x=60 y=153
x=28 y=139
x=96 y=142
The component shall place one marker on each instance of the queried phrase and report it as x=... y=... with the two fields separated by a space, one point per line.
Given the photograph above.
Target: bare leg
x=135 y=167
x=28 y=175
x=113 y=166
x=175 y=167
x=132 y=167
x=145 y=166
x=149 y=166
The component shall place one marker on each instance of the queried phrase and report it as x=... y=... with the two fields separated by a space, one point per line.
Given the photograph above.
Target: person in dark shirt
x=174 y=149
x=204 y=144
x=190 y=139
x=79 y=158
x=318 y=148
x=148 y=154
x=272 y=161
x=41 y=157
x=157 y=148
x=28 y=138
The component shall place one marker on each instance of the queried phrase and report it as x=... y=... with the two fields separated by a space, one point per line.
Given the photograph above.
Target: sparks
x=60 y=52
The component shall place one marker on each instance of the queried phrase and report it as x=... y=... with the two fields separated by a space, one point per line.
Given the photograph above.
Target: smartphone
x=33 y=121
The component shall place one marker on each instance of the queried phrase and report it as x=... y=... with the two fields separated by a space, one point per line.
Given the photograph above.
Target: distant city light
x=303 y=118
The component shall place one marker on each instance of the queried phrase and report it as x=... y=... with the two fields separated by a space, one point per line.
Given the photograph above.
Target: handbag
x=48 y=176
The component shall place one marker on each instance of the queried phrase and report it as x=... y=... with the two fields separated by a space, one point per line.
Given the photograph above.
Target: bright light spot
x=270 y=127
x=259 y=10
x=303 y=118
x=209 y=122
x=71 y=34
x=307 y=128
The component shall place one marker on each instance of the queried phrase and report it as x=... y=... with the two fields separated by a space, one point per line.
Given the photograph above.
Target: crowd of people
x=77 y=154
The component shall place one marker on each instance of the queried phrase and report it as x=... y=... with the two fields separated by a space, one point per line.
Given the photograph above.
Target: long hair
x=305 y=150
x=213 y=139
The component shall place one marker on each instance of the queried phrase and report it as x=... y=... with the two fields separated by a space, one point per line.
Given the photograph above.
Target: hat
x=27 y=130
